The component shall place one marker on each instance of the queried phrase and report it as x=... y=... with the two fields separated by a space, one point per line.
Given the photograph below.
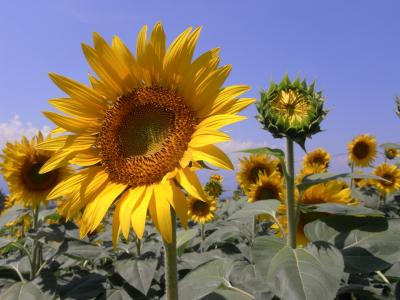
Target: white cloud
x=14 y=130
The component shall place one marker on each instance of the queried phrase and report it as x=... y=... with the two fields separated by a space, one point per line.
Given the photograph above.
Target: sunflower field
x=109 y=205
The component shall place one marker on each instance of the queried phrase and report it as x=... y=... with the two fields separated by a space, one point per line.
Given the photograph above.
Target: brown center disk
x=267 y=192
x=361 y=150
x=144 y=135
x=33 y=180
x=388 y=177
x=200 y=208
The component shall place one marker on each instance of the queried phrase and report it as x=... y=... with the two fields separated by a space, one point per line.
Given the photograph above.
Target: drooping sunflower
x=291 y=109
x=334 y=191
x=251 y=167
x=144 y=122
x=213 y=187
x=308 y=170
x=20 y=168
x=318 y=157
x=389 y=172
x=267 y=187
x=391 y=153
x=202 y=211
x=362 y=150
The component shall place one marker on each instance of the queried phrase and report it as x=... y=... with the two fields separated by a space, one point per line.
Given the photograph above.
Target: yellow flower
x=318 y=157
x=20 y=168
x=251 y=167
x=390 y=173
x=214 y=186
x=141 y=127
x=217 y=178
x=201 y=211
x=391 y=153
x=334 y=191
x=267 y=187
x=362 y=150
x=308 y=170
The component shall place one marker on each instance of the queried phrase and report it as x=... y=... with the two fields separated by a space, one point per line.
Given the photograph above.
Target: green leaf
x=86 y=287
x=263 y=250
x=12 y=214
x=266 y=150
x=117 y=294
x=341 y=209
x=310 y=273
x=205 y=279
x=259 y=207
x=183 y=237
x=23 y=291
x=4 y=242
x=139 y=272
x=222 y=234
x=313 y=179
x=390 y=145
x=85 y=251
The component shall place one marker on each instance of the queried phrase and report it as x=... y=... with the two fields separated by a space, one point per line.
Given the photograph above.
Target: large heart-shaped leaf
x=23 y=291
x=260 y=207
x=310 y=273
x=139 y=272
x=183 y=237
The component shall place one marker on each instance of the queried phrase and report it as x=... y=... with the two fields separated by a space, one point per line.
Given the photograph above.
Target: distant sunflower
x=141 y=127
x=214 y=186
x=20 y=168
x=201 y=211
x=251 y=167
x=267 y=187
x=362 y=150
x=334 y=191
x=318 y=157
x=389 y=172
x=391 y=153
x=309 y=170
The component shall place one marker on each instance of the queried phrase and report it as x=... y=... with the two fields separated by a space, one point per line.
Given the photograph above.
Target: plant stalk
x=203 y=236
x=254 y=229
x=352 y=179
x=290 y=200
x=36 y=253
x=138 y=246
x=171 y=273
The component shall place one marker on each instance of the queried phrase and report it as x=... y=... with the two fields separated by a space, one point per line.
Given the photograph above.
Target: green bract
x=291 y=109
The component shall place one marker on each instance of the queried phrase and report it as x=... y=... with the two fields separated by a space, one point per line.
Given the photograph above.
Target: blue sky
x=351 y=48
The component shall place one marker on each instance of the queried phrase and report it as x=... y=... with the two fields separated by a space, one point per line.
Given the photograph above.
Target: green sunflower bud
x=291 y=109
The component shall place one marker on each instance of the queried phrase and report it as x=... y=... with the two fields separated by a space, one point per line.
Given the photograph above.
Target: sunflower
x=308 y=170
x=391 y=153
x=267 y=187
x=389 y=172
x=141 y=127
x=20 y=168
x=318 y=157
x=201 y=211
x=291 y=109
x=362 y=150
x=334 y=191
x=252 y=166
x=213 y=187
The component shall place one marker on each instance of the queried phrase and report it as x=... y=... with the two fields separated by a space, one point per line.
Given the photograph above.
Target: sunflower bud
x=291 y=109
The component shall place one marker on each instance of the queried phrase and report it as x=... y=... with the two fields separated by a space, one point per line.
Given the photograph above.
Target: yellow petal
x=78 y=90
x=238 y=105
x=69 y=142
x=95 y=210
x=212 y=155
x=189 y=181
x=206 y=137
x=116 y=227
x=179 y=203
x=77 y=108
x=163 y=213
x=129 y=200
x=79 y=125
x=59 y=159
x=86 y=158
x=218 y=121
x=139 y=213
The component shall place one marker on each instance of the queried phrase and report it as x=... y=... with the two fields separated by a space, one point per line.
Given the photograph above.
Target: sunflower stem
x=290 y=205
x=171 y=273
x=254 y=229
x=352 y=179
x=36 y=245
x=203 y=236
x=138 y=246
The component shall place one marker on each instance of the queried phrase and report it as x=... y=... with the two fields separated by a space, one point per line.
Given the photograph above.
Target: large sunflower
x=140 y=128
x=318 y=157
x=251 y=167
x=20 y=168
x=267 y=187
x=362 y=150
x=389 y=172
x=334 y=191
x=202 y=211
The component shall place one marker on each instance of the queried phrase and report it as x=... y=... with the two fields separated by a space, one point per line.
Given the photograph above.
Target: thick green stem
x=203 y=236
x=138 y=247
x=171 y=273
x=36 y=253
x=254 y=229
x=290 y=200
x=352 y=179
